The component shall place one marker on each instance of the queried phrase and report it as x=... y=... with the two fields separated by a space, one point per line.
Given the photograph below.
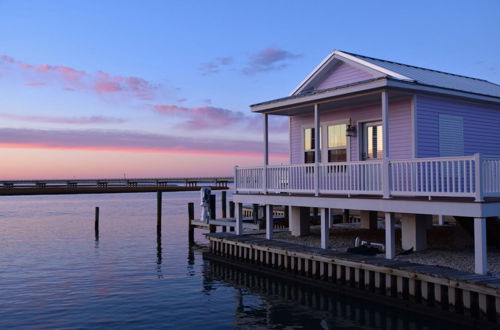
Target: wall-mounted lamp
x=350 y=129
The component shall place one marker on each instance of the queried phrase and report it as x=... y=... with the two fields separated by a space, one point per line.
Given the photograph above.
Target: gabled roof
x=402 y=72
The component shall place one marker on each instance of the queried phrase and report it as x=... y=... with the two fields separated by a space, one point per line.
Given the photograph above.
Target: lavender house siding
x=481 y=125
x=343 y=74
x=400 y=129
x=400 y=137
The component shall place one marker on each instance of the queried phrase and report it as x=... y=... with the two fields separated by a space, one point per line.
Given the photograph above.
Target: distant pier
x=109 y=186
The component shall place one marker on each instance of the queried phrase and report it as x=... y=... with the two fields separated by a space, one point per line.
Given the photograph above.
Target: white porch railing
x=469 y=176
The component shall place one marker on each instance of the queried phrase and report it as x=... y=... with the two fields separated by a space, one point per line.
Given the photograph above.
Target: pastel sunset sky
x=162 y=88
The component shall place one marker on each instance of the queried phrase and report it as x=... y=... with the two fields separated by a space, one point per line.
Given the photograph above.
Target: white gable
x=339 y=69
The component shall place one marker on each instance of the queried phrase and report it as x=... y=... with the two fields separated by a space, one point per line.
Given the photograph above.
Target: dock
x=476 y=296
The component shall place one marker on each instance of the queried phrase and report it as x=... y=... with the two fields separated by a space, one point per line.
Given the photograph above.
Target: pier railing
x=469 y=176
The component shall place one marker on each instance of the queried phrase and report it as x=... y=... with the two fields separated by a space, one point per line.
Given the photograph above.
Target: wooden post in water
x=96 y=223
x=158 y=212
x=223 y=203
x=190 y=219
x=213 y=214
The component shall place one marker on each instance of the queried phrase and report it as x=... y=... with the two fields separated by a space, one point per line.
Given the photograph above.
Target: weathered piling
x=190 y=220
x=96 y=223
x=255 y=212
x=158 y=211
x=224 y=204
x=231 y=209
x=346 y=215
x=213 y=214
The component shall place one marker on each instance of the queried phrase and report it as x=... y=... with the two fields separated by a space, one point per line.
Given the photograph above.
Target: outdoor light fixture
x=350 y=129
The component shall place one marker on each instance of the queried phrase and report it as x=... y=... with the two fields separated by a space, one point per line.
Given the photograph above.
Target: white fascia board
x=451 y=208
x=337 y=54
x=372 y=66
x=319 y=96
x=443 y=91
x=313 y=73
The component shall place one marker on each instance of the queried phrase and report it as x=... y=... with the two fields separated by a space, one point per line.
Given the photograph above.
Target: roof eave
x=274 y=105
x=372 y=85
x=413 y=86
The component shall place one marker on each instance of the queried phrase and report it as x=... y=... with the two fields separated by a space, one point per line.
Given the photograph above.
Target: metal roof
x=436 y=78
x=408 y=76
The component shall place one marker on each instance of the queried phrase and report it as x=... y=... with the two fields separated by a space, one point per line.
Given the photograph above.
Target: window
x=309 y=145
x=373 y=141
x=337 y=143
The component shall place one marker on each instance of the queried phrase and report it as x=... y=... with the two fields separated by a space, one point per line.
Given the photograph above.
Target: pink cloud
x=268 y=59
x=131 y=142
x=64 y=120
x=205 y=117
x=208 y=117
x=73 y=79
x=34 y=84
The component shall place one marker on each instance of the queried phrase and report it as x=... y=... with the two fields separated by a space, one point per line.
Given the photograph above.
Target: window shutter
x=451 y=135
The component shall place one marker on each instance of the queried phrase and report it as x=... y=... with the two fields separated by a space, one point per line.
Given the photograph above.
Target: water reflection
x=275 y=303
x=159 y=255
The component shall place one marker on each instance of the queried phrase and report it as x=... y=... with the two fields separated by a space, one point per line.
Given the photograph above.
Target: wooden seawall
x=468 y=295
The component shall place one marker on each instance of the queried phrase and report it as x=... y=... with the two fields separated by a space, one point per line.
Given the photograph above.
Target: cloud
x=73 y=79
x=64 y=120
x=34 y=83
x=214 y=65
x=205 y=117
x=268 y=59
x=104 y=140
x=208 y=117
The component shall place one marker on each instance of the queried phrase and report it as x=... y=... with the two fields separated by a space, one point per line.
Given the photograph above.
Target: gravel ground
x=448 y=246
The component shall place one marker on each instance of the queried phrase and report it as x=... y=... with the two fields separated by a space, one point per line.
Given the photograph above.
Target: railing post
x=478 y=176
x=386 y=178
x=264 y=179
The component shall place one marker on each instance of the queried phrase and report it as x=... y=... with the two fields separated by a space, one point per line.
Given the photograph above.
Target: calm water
x=53 y=274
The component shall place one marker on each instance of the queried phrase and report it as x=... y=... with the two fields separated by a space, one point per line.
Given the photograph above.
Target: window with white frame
x=309 y=145
x=337 y=143
x=373 y=141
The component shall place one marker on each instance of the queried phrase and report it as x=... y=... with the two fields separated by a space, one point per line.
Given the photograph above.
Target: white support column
x=239 y=219
x=386 y=175
x=480 y=249
x=269 y=222
x=385 y=123
x=325 y=228
x=390 y=240
x=440 y=219
x=317 y=151
x=266 y=152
